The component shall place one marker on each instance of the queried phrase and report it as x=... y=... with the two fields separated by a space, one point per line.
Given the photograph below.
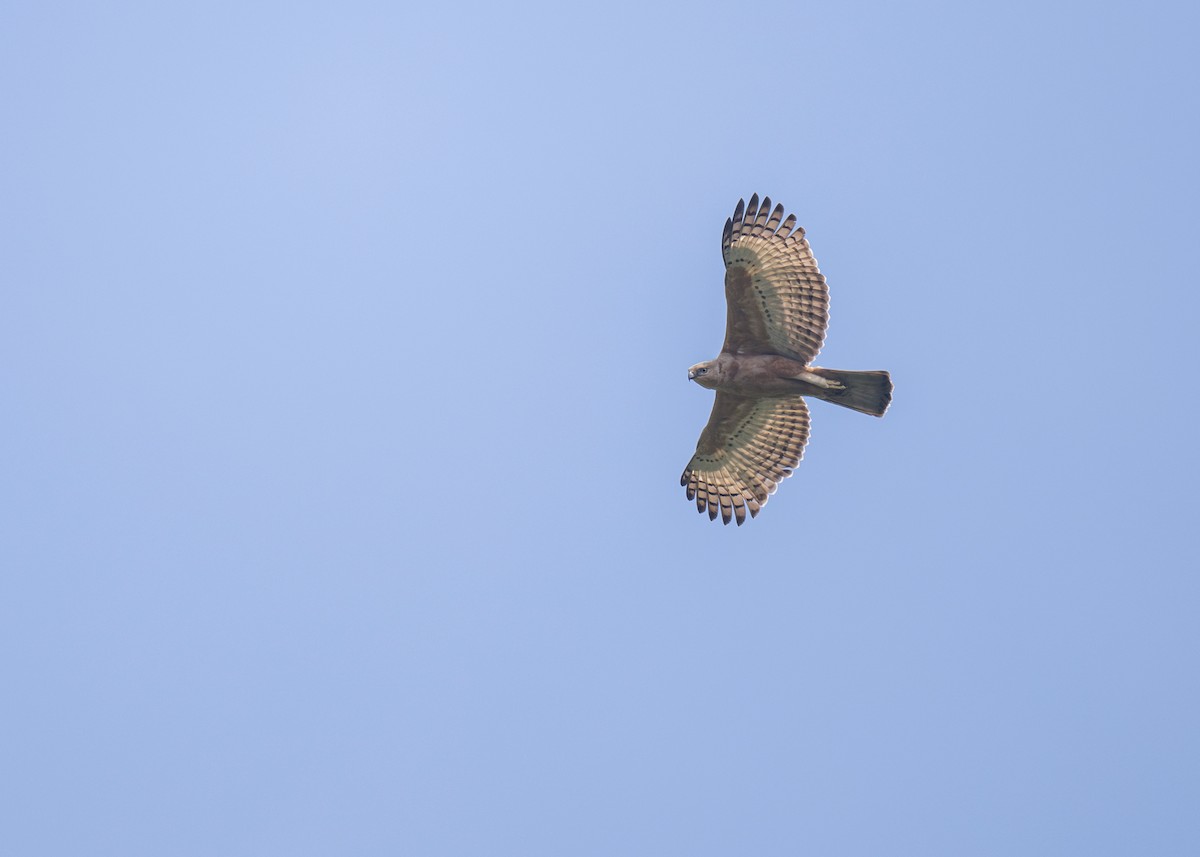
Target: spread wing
x=748 y=447
x=777 y=299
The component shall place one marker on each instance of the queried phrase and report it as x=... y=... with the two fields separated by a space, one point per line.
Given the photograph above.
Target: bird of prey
x=778 y=309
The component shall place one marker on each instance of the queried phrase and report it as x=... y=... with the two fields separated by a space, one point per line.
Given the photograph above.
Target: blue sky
x=343 y=358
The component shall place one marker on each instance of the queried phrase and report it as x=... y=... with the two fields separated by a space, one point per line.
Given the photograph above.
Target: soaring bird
x=778 y=310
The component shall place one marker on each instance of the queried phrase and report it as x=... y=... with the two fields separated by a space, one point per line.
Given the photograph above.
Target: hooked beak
x=691 y=374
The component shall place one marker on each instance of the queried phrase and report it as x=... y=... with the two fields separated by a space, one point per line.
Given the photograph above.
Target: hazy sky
x=342 y=383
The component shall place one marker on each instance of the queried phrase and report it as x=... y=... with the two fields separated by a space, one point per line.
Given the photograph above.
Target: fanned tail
x=867 y=392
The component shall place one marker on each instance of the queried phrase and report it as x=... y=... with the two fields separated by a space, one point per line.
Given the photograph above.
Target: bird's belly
x=764 y=375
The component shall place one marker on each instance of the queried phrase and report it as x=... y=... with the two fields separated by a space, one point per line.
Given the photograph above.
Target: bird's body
x=778 y=309
x=760 y=375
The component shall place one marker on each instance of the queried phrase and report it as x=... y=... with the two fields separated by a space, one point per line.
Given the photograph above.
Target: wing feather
x=777 y=299
x=748 y=447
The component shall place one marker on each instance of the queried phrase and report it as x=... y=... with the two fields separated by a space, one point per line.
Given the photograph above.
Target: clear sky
x=342 y=382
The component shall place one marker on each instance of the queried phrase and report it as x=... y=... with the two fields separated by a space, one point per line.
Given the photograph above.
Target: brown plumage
x=778 y=309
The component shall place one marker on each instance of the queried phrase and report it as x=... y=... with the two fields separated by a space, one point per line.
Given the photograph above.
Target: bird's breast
x=759 y=374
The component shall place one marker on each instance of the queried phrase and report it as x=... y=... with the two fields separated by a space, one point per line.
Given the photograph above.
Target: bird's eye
x=701 y=371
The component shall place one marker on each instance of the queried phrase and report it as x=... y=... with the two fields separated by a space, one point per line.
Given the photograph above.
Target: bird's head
x=705 y=374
